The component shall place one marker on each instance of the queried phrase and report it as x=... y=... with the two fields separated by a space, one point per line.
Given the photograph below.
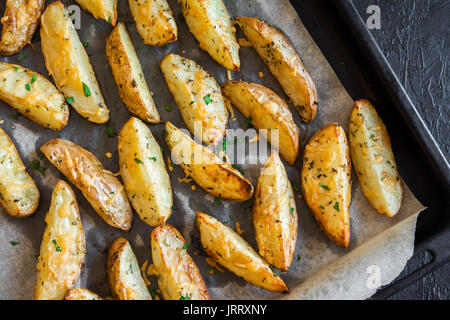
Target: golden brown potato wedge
x=198 y=162
x=101 y=9
x=178 y=275
x=124 y=275
x=81 y=294
x=285 y=64
x=144 y=173
x=198 y=97
x=100 y=187
x=211 y=25
x=33 y=96
x=155 y=22
x=19 y=195
x=373 y=160
x=63 y=247
x=266 y=111
x=20 y=21
x=127 y=72
x=326 y=182
x=228 y=249
x=275 y=214
x=67 y=61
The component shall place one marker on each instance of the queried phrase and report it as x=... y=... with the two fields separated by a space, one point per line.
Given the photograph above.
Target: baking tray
x=348 y=45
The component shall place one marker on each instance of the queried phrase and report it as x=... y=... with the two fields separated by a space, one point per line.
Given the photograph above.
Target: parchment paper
x=379 y=246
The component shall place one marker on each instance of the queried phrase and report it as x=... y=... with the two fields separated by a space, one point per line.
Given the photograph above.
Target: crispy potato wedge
x=266 y=111
x=127 y=72
x=211 y=25
x=20 y=21
x=81 y=294
x=144 y=173
x=33 y=96
x=284 y=62
x=63 y=246
x=67 y=61
x=99 y=186
x=124 y=275
x=198 y=97
x=19 y=195
x=178 y=275
x=275 y=214
x=228 y=249
x=326 y=182
x=101 y=9
x=373 y=160
x=198 y=162
x=155 y=22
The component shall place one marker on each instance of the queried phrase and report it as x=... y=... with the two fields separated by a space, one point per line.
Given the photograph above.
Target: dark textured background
x=415 y=38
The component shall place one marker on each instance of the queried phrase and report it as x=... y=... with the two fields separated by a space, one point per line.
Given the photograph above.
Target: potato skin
x=275 y=214
x=284 y=62
x=373 y=160
x=211 y=25
x=228 y=249
x=19 y=195
x=128 y=75
x=124 y=275
x=68 y=63
x=144 y=173
x=43 y=103
x=101 y=9
x=267 y=111
x=100 y=187
x=198 y=98
x=326 y=182
x=20 y=21
x=216 y=177
x=81 y=294
x=63 y=246
x=154 y=20
x=178 y=275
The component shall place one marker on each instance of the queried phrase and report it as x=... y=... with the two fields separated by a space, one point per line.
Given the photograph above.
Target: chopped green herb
x=87 y=91
x=299 y=258
x=153 y=159
x=336 y=206
x=110 y=132
x=112 y=192
x=235 y=166
x=207 y=99
x=36 y=165
x=186 y=245
x=292 y=210
x=168 y=45
x=15 y=68
x=138 y=161
x=224 y=145
x=109 y=19
x=162 y=149
x=324 y=187
x=192 y=102
x=33 y=78
x=58 y=248
x=85 y=44
x=372 y=136
x=168 y=107
x=216 y=201
x=28 y=87
x=70 y=100
x=247 y=122
x=322 y=207
x=295 y=186
x=185 y=297
x=22 y=56
x=14 y=243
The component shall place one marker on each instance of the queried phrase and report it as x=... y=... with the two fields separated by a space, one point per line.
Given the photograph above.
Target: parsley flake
x=207 y=99
x=336 y=206
x=324 y=187
x=86 y=90
x=138 y=161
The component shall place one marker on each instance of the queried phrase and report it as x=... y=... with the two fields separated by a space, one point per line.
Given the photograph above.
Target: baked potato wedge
x=63 y=246
x=124 y=275
x=19 y=195
x=99 y=186
x=198 y=97
x=228 y=249
x=33 y=96
x=211 y=25
x=178 y=275
x=68 y=63
x=326 y=182
x=20 y=21
x=266 y=111
x=81 y=294
x=101 y=9
x=284 y=62
x=155 y=22
x=275 y=214
x=127 y=72
x=144 y=173
x=216 y=177
x=373 y=160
